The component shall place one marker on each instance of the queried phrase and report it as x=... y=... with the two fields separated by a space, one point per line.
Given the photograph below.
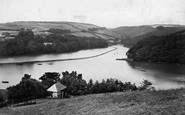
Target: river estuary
x=163 y=76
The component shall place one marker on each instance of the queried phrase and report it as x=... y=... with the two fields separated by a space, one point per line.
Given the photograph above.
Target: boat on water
x=50 y=63
x=143 y=70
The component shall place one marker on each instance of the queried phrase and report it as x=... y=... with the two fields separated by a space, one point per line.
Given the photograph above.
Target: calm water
x=163 y=76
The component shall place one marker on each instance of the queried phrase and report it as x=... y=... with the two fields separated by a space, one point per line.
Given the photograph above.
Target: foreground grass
x=167 y=102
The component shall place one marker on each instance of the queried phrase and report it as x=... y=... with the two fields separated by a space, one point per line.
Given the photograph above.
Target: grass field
x=163 y=102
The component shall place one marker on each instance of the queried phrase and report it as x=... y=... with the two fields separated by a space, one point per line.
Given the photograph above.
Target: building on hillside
x=57 y=89
x=9 y=33
x=48 y=43
x=41 y=32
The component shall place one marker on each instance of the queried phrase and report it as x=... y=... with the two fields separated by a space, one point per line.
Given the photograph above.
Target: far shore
x=69 y=59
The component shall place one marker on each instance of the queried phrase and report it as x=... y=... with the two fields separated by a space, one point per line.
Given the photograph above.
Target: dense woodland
x=168 y=49
x=29 y=88
x=27 y=43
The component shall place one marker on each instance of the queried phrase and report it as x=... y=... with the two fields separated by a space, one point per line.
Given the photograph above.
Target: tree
x=76 y=85
x=49 y=78
x=26 y=34
x=89 y=86
x=145 y=84
x=28 y=88
x=26 y=77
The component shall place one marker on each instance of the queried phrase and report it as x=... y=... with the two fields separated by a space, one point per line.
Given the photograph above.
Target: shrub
x=144 y=85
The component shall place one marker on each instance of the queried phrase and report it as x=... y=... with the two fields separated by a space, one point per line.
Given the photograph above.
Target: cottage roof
x=56 y=87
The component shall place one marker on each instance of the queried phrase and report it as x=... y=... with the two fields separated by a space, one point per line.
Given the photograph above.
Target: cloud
x=109 y=13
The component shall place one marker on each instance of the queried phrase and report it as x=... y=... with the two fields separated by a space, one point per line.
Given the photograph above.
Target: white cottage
x=57 y=89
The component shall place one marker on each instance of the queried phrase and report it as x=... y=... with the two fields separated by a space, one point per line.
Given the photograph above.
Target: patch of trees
x=96 y=29
x=168 y=49
x=59 y=31
x=26 y=43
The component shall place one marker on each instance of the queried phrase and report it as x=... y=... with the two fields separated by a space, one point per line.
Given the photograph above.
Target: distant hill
x=77 y=29
x=167 y=48
x=128 y=35
x=133 y=31
x=132 y=35
x=41 y=26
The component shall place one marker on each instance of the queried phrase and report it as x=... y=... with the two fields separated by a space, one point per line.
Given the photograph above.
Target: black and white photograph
x=92 y=57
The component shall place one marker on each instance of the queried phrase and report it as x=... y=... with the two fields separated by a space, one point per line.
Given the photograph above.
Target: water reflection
x=164 y=76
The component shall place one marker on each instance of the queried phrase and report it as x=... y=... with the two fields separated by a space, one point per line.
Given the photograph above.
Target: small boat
x=143 y=70
x=50 y=63
x=19 y=64
x=39 y=64
x=5 y=81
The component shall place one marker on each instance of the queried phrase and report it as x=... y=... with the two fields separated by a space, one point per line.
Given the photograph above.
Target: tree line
x=26 y=43
x=30 y=88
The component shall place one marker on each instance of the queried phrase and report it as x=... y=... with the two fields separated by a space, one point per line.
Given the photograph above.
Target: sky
x=105 y=13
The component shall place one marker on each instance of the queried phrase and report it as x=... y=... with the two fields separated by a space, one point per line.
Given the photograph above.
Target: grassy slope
x=133 y=31
x=166 y=102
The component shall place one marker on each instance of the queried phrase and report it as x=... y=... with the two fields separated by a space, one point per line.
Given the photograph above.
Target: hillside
x=77 y=29
x=132 y=35
x=162 y=102
x=73 y=26
x=133 y=31
x=168 y=49
x=156 y=32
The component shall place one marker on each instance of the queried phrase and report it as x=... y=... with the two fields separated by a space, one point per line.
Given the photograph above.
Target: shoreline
x=125 y=59
x=54 y=60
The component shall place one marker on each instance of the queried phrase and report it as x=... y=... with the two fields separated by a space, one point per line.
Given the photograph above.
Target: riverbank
x=166 y=102
x=54 y=60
